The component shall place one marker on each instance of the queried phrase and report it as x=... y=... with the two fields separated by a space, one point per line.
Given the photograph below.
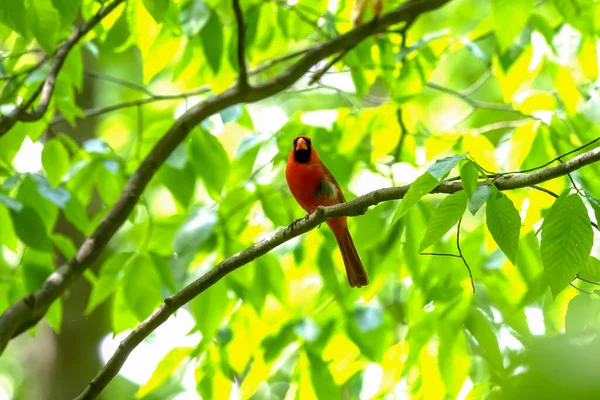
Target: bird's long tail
x=357 y=276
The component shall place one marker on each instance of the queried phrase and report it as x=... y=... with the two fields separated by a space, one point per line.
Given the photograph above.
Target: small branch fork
x=459 y=255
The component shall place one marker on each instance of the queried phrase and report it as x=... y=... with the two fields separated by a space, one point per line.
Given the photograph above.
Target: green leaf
x=510 y=17
x=275 y=279
x=55 y=159
x=441 y=168
x=8 y=237
x=11 y=142
x=212 y=41
x=181 y=183
x=453 y=359
x=36 y=268
x=321 y=378
x=469 y=175
x=44 y=22
x=30 y=228
x=567 y=239
x=580 y=14
x=68 y=10
x=164 y=370
x=583 y=312
x=480 y=196
x=445 y=216
x=419 y=188
x=10 y=203
x=14 y=15
x=157 y=8
x=210 y=160
x=591 y=272
x=141 y=286
x=108 y=280
x=541 y=25
x=193 y=16
x=481 y=329
x=426 y=183
x=65 y=245
x=504 y=223
x=252 y=17
x=165 y=272
x=595 y=206
x=209 y=309
x=76 y=213
x=196 y=230
x=110 y=182
x=54 y=315
x=232 y=114
x=359 y=78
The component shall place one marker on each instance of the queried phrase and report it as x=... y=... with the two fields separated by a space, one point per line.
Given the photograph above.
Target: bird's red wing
x=331 y=179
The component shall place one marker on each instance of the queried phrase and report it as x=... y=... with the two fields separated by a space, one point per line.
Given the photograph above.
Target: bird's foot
x=293 y=224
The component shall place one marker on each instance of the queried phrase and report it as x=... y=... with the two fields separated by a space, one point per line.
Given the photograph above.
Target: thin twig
x=461 y=254
x=17 y=55
x=404 y=33
x=440 y=254
x=587 y=280
x=478 y=83
x=135 y=103
x=118 y=81
x=558 y=158
x=319 y=74
x=580 y=289
x=25 y=71
x=542 y=189
x=401 y=139
x=241 y=45
x=499 y=125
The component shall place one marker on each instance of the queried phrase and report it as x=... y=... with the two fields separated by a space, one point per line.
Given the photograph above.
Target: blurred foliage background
x=513 y=83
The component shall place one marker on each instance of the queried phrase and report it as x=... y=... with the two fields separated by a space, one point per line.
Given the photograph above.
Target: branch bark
x=28 y=311
x=45 y=90
x=355 y=207
x=241 y=45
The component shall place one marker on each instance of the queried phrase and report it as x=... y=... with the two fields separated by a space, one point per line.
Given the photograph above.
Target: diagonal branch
x=45 y=90
x=241 y=45
x=355 y=207
x=28 y=311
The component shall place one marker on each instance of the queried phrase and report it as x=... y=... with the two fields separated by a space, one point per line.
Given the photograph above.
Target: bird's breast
x=308 y=185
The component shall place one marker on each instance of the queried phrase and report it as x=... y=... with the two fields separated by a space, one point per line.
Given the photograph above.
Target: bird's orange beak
x=301 y=144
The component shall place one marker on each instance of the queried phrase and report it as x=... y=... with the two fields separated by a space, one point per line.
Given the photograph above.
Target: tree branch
x=45 y=90
x=135 y=103
x=241 y=45
x=355 y=207
x=28 y=311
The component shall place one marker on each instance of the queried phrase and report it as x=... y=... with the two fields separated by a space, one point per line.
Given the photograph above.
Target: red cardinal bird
x=312 y=185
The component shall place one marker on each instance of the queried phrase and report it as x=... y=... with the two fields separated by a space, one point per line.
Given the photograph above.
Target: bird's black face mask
x=302 y=149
